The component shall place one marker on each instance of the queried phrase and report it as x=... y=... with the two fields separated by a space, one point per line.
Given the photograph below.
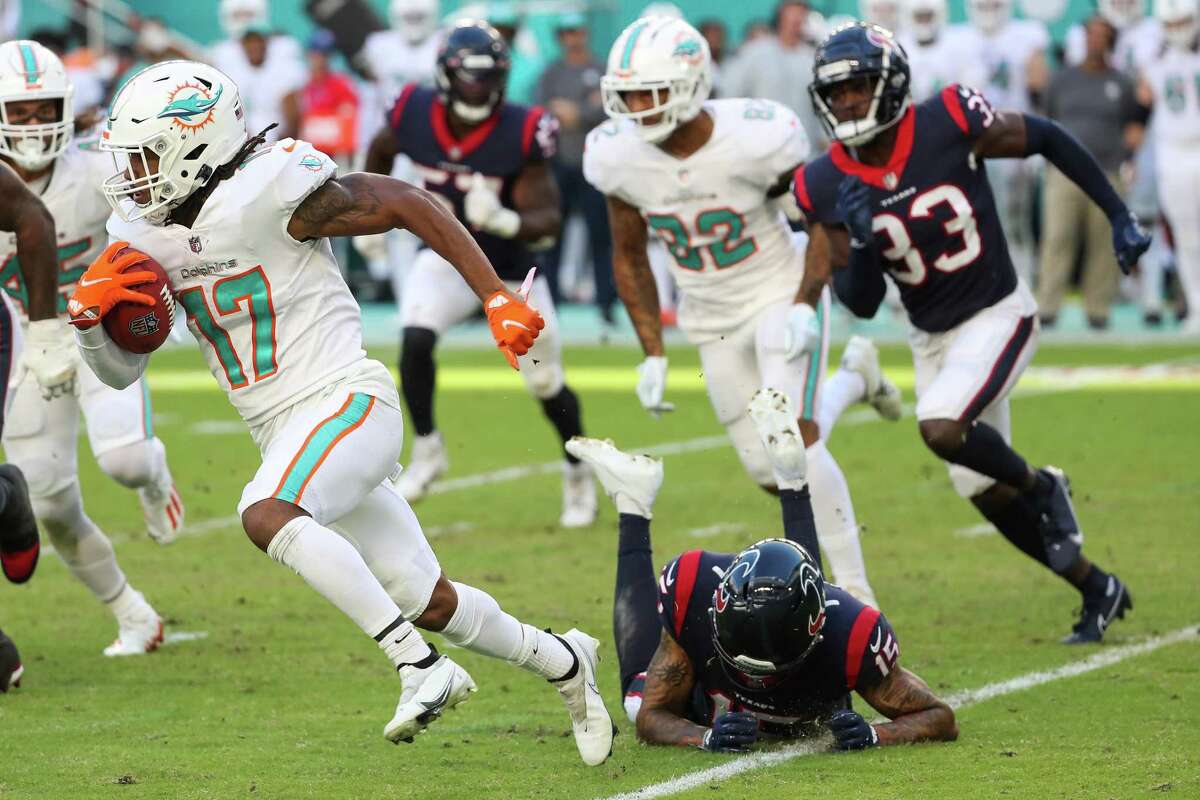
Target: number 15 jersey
x=935 y=217
x=731 y=248
x=273 y=316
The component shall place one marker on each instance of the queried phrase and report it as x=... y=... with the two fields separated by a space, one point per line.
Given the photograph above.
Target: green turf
x=285 y=698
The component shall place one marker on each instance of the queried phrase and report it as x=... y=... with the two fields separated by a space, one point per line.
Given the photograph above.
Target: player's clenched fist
x=106 y=283
x=515 y=324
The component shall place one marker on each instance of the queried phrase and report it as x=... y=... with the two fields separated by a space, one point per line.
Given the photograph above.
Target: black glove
x=854 y=206
x=733 y=732
x=1130 y=240
x=852 y=732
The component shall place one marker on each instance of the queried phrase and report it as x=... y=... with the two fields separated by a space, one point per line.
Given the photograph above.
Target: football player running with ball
x=241 y=229
x=42 y=437
x=726 y=649
x=704 y=176
x=902 y=191
x=487 y=161
x=44 y=355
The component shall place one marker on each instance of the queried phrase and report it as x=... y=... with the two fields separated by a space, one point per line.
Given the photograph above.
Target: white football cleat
x=630 y=481
x=140 y=628
x=590 y=721
x=427 y=462
x=862 y=356
x=579 y=496
x=775 y=420
x=427 y=694
x=163 y=512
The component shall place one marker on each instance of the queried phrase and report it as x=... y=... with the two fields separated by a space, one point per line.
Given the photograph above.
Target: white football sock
x=837 y=527
x=480 y=625
x=81 y=545
x=330 y=565
x=840 y=391
x=130 y=604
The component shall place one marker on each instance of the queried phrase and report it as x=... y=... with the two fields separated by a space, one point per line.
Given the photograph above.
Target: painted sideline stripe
x=957 y=700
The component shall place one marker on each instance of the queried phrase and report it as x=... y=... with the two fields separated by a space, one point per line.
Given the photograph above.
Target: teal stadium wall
x=198 y=18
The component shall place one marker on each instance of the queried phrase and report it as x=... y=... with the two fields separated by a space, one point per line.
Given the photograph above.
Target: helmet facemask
x=862 y=129
x=673 y=102
x=475 y=93
x=35 y=145
x=143 y=177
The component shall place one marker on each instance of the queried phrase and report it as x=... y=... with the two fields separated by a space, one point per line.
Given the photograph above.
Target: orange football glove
x=514 y=325
x=106 y=283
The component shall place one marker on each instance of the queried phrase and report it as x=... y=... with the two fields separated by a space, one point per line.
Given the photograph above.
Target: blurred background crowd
x=327 y=73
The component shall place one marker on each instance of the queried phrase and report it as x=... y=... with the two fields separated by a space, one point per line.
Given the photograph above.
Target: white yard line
x=958 y=700
x=179 y=637
x=975 y=531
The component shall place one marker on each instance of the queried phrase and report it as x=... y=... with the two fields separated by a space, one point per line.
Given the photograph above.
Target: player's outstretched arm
x=669 y=682
x=536 y=200
x=362 y=203
x=25 y=215
x=631 y=271
x=1014 y=135
x=916 y=713
x=382 y=152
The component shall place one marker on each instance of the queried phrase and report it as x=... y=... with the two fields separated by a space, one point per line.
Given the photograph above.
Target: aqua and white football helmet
x=169 y=129
x=1179 y=21
x=989 y=16
x=664 y=56
x=1121 y=13
x=28 y=71
x=925 y=19
x=415 y=20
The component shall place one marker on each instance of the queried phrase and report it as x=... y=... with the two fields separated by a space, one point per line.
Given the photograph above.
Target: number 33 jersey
x=935 y=217
x=731 y=248
x=274 y=317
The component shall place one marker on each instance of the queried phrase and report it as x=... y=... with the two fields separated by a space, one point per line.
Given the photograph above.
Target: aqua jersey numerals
x=69 y=274
x=727 y=251
x=247 y=293
x=1176 y=92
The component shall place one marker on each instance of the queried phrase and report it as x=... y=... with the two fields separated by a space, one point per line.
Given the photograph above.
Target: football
x=138 y=328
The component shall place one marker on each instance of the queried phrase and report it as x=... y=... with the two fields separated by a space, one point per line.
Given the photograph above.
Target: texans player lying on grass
x=488 y=162
x=24 y=215
x=241 y=228
x=725 y=650
x=902 y=191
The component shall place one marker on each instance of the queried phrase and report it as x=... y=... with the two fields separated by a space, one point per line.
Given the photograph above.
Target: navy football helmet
x=767 y=613
x=472 y=70
x=861 y=52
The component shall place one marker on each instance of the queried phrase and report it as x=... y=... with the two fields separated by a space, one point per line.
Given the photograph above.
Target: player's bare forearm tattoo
x=669 y=682
x=338 y=200
x=916 y=713
x=631 y=272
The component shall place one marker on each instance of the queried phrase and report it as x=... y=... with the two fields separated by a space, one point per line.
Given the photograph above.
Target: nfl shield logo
x=194 y=243
x=890 y=181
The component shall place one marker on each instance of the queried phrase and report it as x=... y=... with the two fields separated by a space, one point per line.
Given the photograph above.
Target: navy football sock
x=1018 y=522
x=1094 y=583
x=984 y=450
x=418 y=376
x=563 y=412
x=798 y=523
x=636 y=628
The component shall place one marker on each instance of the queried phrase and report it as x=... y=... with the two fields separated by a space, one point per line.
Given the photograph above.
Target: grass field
x=284 y=698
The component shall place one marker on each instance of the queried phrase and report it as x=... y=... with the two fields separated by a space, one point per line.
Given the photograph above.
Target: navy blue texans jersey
x=857 y=650
x=499 y=149
x=934 y=214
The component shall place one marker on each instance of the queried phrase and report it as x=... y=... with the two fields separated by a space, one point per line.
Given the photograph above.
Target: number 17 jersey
x=935 y=218
x=731 y=248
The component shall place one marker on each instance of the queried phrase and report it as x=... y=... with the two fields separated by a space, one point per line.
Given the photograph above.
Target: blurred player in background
x=1013 y=52
x=900 y=191
x=1139 y=37
x=42 y=436
x=266 y=65
x=704 y=176
x=487 y=161
x=242 y=228
x=937 y=51
x=39 y=349
x=887 y=14
x=726 y=649
x=1170 y=85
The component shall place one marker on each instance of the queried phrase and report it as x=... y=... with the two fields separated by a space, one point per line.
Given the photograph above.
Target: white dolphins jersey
x=1175 y=80
x=395 y=62
x=79 y=209
x=1006 y=57
x=263 y=88
x=732 y=249
x=947 y=60
x=274 y=317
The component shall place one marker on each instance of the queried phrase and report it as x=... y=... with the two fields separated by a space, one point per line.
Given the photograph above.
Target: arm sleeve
x=113 y=366
x=1072 y=159
x=860 y=284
